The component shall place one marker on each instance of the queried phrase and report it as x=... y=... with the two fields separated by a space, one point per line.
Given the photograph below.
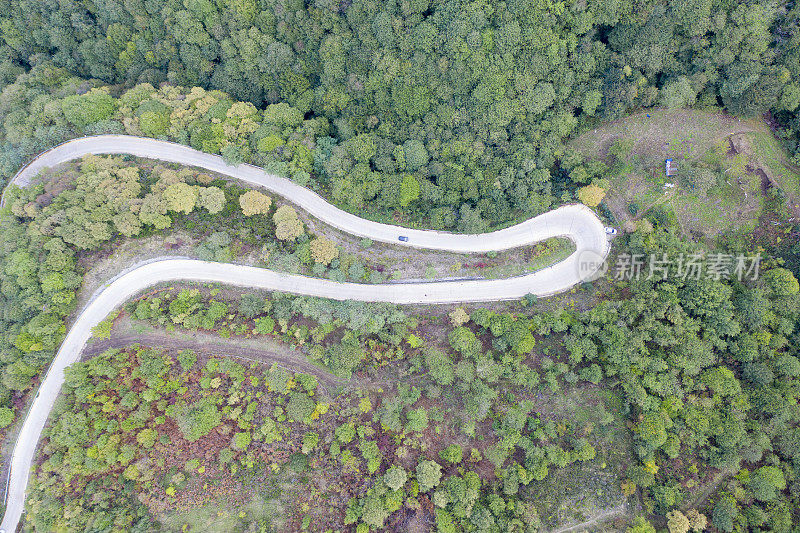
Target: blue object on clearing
x=403 y=238
x=669 y=169
x=648 y=115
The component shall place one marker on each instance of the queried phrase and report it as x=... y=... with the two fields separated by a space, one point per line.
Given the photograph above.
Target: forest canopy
x=452 y=111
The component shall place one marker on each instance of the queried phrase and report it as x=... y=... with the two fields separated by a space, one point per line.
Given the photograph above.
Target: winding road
x=575 y=222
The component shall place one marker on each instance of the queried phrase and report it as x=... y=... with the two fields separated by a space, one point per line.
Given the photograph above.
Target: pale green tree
x=212 y=199
x=181 y=197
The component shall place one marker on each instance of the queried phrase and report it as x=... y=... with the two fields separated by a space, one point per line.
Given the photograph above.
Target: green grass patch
x=223 y=517
x=583 y=491
x=694 y=139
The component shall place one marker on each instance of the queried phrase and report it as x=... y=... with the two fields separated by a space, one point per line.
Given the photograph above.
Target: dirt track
x=212 y=345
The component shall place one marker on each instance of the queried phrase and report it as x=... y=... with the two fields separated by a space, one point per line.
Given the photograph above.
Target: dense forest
x=465 y=104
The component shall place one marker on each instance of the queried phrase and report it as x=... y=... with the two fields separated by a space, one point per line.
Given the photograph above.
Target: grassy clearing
x=693 y=138
x=223 y=516
x=585 y=491
x=730 y=204
x=685 y=133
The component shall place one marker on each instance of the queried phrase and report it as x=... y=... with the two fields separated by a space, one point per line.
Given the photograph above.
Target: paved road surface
x=576 y=222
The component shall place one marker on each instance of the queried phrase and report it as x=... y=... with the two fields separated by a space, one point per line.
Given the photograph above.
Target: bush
x=254 y=203
x=287 y=226
x=724 y=513
x=458 y=317
x=374 y=513
x=300 y=407
x=187 y=359
x=323 y=250
x=241 y=440
x=677 y=522
x=310 y=441
x=428 y=475
x=766 y=482
x=252 y=305
x=416 y=154
x=298 y=463
x=82 y=110
x=212 y=199
x=591 y=195
x=395 y=477
x=417 y=420
x=181 y=197
x=452 y=454
x=592 y=373
x=440 y=366
x=196 y=421
x=678 y=92
x=697 y=520
x=345 y=433
x=444 y=522
x=641 y=525
x=6 y=417
x=147 y=437
x=464 y=341
x=781 y=282
x=264 y=325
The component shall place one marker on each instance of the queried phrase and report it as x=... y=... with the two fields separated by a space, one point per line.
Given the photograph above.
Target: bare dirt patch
x=600 y=517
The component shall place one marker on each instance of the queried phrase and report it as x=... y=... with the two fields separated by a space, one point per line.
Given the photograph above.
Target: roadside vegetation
x=54 y=231
x=702 y=386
